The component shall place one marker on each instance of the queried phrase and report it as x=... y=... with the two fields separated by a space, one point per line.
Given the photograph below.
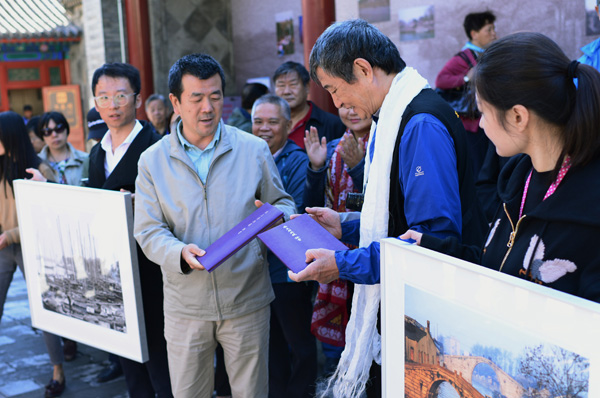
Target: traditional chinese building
x=420 y=347
x=35 y=41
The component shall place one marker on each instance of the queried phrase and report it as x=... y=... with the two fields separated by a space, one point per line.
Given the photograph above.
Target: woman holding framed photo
x=547 y=229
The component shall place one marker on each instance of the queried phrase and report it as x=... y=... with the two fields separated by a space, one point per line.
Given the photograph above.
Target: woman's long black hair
x=19 y=153
x=530 y=69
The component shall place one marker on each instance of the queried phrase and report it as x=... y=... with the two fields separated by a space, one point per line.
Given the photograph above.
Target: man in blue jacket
x=416 y=175
x=292 y=348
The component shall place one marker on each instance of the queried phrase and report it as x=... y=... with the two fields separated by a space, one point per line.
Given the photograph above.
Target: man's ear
x=174 y=102
x=138 y=101
x=362 y=69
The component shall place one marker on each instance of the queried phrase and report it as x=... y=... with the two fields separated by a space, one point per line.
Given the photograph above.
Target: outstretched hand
x=37 y=176
x=315 y=149
x=322 y=267
x=327 y=218
x=189 y=253
x=259 y=203
x=410 y=234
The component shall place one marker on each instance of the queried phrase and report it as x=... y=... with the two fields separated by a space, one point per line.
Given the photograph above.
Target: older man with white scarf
x=416 y=176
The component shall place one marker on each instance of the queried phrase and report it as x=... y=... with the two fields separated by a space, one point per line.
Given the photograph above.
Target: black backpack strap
x=465 y=57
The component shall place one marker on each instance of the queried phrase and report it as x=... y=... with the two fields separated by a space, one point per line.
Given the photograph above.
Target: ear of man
x=174 y=102
x=362 y=69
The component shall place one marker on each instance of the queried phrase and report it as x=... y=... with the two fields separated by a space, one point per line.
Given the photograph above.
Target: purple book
x=237 y=237
x=291 y=240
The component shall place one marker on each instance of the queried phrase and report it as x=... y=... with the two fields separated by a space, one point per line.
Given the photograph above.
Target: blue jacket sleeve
x=429 y=178
x=351 y=232
x=359 y=265
x=429 y=181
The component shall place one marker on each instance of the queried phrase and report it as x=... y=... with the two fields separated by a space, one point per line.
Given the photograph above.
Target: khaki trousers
x=191 y=348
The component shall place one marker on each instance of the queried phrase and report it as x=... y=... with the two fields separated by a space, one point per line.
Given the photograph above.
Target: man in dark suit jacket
x=291 y=83
x=113 y=165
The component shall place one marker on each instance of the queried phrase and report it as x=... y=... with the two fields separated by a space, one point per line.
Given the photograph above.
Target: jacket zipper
x=513 y=235
x=204 y=188
x=212 y=276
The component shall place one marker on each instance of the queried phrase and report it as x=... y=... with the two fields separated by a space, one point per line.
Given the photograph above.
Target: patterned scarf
x=59 y=168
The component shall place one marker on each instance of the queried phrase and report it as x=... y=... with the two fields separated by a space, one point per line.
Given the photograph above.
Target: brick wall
x=110 y=23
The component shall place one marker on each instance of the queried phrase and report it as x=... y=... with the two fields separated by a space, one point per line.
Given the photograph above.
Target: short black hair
x=291 y=66
x=27 y=108
x=202 y=66
x=343 y=42
x=251 y=92
x=58 y=118
x=116 y=70
x=477 y=20
x=32 y=124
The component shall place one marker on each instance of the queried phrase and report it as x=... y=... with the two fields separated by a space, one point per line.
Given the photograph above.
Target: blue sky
x=466 y=325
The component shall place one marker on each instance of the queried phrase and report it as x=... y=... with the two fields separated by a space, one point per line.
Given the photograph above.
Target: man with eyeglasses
x=113 y=165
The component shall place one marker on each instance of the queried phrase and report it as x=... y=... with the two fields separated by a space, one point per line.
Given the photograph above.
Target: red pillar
x=67 y=71
x=317 y=15
x=138 y=43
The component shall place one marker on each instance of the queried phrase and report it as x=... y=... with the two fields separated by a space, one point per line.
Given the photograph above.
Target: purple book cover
x=291 y=240
x=237 y=237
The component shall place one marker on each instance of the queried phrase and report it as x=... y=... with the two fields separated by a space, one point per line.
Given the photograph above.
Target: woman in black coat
x=547 y=229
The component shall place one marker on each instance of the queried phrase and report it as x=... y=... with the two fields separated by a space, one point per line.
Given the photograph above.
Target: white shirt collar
x=112 y=159
x=106 y=142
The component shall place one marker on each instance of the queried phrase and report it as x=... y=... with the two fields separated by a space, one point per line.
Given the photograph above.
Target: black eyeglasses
x=60 y=128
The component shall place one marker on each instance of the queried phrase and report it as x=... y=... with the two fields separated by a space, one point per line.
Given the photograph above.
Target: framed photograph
x=592 y=19
x=374 y=10
x=284 y=26
x=456 y=329
x=416 y=23
x=81 y=265
x=67 y=100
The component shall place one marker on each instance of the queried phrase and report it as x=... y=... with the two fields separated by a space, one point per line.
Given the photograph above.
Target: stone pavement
x=24 y=363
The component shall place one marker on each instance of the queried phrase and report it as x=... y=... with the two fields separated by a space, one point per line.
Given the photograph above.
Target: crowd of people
x=397 y=161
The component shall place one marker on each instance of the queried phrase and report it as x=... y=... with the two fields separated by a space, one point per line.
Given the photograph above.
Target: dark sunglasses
x=60 y=128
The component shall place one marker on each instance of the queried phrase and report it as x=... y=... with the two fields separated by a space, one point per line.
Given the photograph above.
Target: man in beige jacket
x=193 y=187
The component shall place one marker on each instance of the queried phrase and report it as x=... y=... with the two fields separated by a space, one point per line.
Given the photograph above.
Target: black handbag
x=461 y=99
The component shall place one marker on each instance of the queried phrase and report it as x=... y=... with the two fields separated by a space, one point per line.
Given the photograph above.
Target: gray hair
x=284 y=107
x=155 y=97
x=343 y=42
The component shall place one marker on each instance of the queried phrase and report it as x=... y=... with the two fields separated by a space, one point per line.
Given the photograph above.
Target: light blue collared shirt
x=473 y=47
x=200 y=158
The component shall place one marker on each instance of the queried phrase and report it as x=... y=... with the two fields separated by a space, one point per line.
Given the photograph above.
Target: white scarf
x=363 y=343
